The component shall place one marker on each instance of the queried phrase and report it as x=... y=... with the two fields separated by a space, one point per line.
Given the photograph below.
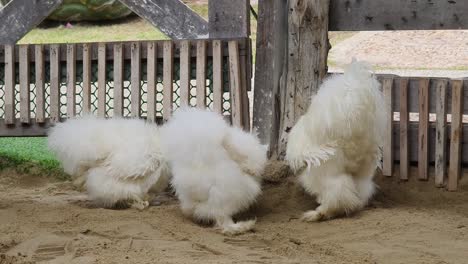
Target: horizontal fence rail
x=429 y=126
x=44 y=84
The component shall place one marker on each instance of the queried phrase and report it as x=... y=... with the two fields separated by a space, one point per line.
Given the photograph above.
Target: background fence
x=43 y=84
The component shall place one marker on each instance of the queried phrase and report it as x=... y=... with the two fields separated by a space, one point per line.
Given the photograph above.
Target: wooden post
x=456 y=135
x=307 y=61
x=229 y=18
x=270 y=71
x=387 y=168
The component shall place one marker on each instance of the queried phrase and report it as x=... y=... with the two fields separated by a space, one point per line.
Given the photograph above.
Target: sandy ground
x=413 y=222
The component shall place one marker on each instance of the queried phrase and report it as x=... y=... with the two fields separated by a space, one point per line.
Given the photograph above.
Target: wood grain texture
x=152 y=69
x=456 y=136
x=54 y=83
x=387 y=169
x=423 y=138
x=25 y=90
x=217 y=77
x=40 y=83
x=404 y=120
x=201 y=74
x=10 y=83
x=229 y=19
x=441 y=135
x=135 y=94
x=184 y=73
x=118 y=80
x=87 y=51
x=101 y=108
x=235 y=84
x=168 y=79
x=71 y=80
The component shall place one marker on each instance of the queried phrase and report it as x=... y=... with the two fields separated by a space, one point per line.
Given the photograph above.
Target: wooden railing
x=44 y=84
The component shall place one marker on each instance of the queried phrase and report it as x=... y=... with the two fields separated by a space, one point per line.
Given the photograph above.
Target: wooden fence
x=427 y=127
x=44 y=84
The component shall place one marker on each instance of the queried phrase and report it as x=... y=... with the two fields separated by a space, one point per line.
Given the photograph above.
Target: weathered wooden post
x=270 y=71
x=285 y=82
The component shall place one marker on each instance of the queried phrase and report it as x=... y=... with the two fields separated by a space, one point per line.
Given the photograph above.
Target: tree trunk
x=308 y=47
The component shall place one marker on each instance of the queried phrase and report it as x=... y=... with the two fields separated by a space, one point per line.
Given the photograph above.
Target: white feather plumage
x=117 y=160
x=334 y=147
x=215 y=168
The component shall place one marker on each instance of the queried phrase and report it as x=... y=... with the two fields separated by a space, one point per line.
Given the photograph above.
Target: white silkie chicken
x=215 y=168
x=335 y=147
x=117 y=160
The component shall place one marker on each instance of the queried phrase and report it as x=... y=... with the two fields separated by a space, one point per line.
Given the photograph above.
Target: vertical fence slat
x=40 y=87
x=152 y=64
x=71 y=80
x=136 y=79
x=54 y=83
x=201 y=74
x=118 y=79
x=217 y=76
x=404 y=119
x=456 y=135
x=387 y=170
x=184 y=72
x=423 y=131
x=25 y=102
x=9 y=84
x=101 y=80
x=441 y=135
x=235 y=83
x=87 y=51
x=168 y=70
x=245 y=75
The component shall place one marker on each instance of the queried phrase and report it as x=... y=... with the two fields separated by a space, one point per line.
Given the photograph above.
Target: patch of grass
x=29 y=155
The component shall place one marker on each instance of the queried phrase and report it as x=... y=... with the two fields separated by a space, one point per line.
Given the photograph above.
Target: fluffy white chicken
x=215 y=168
x=117 y=160
x=335 y=147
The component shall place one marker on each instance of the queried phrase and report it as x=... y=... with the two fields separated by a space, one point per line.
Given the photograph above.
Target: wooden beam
x=456 y=136
x=229 y=18
x=172 y=17
x=423 y=142
x=387 y=168
x=349 y=15
x=20 y=16
x=307 y=61
x=441 y=134
x=271 y=59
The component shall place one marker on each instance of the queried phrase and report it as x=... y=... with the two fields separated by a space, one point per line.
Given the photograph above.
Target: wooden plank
x=87 y=75
x=152 y=64
x=172 y=17
x=101 y=80
x=118 y=79
x=135 y=92
x=456 y=136
x=54 y=83
x=40 y=86
x=168 y=71
x=20 y=16
x=423 y=139
x=229 y=19
x=271 y=60
x=71 y=80
x=245 y=82
x=25 y=91
x=10 y=84
x=404 y=120
x=235 y=84
x=365 y=15
x=441 y=135
x=217 y=77
x=18 y=129
x=201 y=74
x=184 y=73
x=387 y=169
x=307 y=62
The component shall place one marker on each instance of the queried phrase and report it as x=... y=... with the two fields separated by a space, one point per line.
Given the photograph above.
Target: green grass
x=29 y=155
